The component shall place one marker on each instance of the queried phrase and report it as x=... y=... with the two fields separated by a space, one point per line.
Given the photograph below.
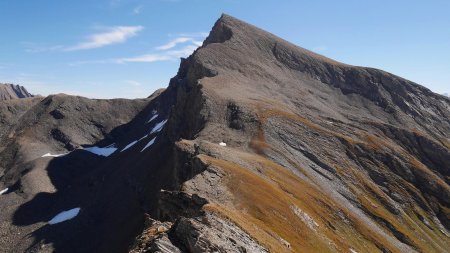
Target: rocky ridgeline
x=256 y=145
x=12 y=91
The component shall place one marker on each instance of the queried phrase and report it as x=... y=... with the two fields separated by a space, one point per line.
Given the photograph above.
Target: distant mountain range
x=12 y=91
x=256 y=145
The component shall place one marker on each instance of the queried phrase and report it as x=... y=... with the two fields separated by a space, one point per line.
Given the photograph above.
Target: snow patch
x=158 y=127
x=223 y=144
x=353 y=251
x=143 y=137
x=106 y=151
x=64 y=216
x=132 y=143
x=152 y=118
x=149 y=144
x=129 y=146
x=57 y=155
x=3 y=191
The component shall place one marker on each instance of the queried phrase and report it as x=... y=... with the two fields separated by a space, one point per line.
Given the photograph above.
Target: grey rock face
x=12 y=91
x=320 y=156
x=213 y=234
x=371 y=144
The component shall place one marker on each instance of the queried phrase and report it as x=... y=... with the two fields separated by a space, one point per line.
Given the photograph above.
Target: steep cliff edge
x=320 y=156
x=256 y=145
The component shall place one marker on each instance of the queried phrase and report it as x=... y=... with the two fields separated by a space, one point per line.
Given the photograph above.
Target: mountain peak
x=13 y=91
x=235 y=48
x=252 y=38
x=275 y=147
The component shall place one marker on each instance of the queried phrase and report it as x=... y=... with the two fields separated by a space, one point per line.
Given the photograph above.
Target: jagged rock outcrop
x=256 y=145
x=11 y=91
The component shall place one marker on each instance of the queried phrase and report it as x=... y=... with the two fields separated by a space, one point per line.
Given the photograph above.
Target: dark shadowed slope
x=34 y=131
x=11 y=91
x=319 y=157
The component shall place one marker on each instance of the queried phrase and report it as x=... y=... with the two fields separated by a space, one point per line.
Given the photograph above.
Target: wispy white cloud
x=144 y=58
x=117 y=34
x=180 y=40
x=169 y=55
x=198 y=43
x=180 y=47
x=137 y=10
x=113 y=35
x=165 y=56
x=173 y=43
x=192 y=35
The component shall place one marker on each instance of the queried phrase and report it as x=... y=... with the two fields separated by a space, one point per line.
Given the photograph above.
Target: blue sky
x=129 y=48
